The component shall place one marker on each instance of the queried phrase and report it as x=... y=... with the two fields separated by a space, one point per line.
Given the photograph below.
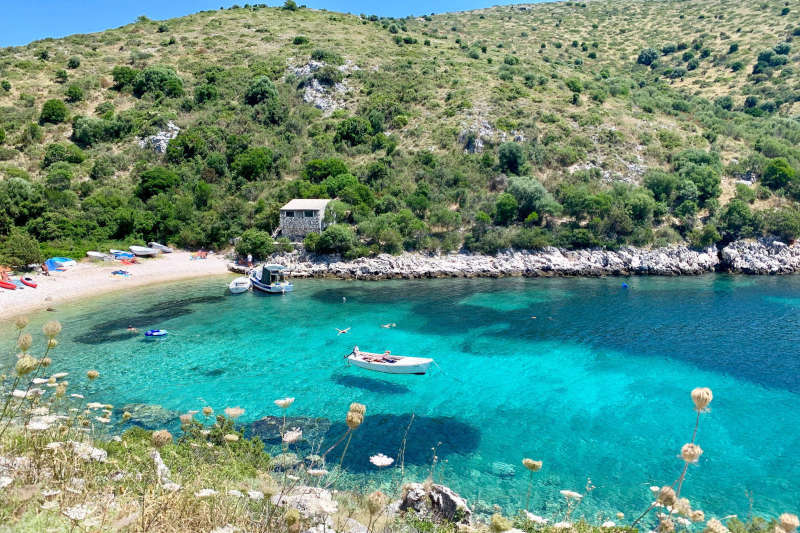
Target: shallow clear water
x=596 y=385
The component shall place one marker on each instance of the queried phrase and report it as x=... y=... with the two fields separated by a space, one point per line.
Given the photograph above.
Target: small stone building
x=302 y=216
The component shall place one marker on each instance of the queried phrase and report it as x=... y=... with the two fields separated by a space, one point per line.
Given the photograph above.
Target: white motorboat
x=239 y=285
x=388 y=363
x=97 y=255
x=271 y=279
x=143 y=251
x=160 y=247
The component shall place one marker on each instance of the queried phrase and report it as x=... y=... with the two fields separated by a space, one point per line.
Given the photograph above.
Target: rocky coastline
x=765 y=256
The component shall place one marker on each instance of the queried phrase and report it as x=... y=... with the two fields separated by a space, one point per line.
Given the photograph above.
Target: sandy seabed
x=90 y=278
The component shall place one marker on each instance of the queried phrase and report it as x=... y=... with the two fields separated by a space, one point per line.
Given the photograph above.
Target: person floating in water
x=391 y=325
x=132 y=329
x=344 y=299
x=341 y=331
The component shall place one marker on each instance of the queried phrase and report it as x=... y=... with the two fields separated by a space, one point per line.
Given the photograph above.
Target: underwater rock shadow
x=115 y=330
x=369 y=384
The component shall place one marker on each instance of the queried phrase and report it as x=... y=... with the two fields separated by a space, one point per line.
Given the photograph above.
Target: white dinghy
x=97 y=255
x=160 y=247
x=388 y=363
x=143 y=251
x=239 y=285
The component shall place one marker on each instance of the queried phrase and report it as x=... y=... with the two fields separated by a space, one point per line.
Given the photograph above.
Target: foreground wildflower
x=186 y=419
x=788 y=522
x=701 y=396
x=284 y=403
x=715 y=526
x=52 y=328
x=691 y=452
x=665 y=526
x=26 y=364
x=21 y=322
x=208 y=411
x=666 y=496
x=359 y=408
x=292 y=436
x=530 y=464
x=381 y=460
x=230 y=437
x=697 y=516
x=92 y=375
x=161 y=438
x=317 y=472
x=571 y=494
x=354 y=419
x=234 y=412
x=376 y=501
x=25 y=342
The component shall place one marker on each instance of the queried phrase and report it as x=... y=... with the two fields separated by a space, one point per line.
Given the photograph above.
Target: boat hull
x=160 y=247
x=143 y=251
x=404 y=365
x=29 y=282
x=7 y=285
x=239 y=285
x=270 y=288
x=96 y=255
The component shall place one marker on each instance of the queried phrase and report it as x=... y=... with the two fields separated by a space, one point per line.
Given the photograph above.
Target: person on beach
x=250 y=260
x=45 y=270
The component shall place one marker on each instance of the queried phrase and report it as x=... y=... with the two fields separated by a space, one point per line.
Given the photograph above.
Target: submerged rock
x=269 y=428
x=150 y=416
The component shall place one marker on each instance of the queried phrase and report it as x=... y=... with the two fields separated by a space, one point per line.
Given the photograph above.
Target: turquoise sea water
x=596 y=385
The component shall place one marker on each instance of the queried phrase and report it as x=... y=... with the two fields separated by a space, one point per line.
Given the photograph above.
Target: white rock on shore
x=748 y=257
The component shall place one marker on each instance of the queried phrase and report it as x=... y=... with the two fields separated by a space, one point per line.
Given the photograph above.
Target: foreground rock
x=309 y=501
x=437 y=501
x=764 y=256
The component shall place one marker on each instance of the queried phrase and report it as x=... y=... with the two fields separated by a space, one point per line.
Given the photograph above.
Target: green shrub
x=20 y=250
x=155 y=181
x=261 y=90
x=337 y=238
x=253 y=164
x=5 y=85
x=205 y=93
x=511 y=60
x=73 y=62
x=74 y=93
x=87 y=131
x=2 y=135
x=59 y=152
x=511 y=157
x=353 y=130
x=256 y=242
x=53 y=111
x=300 y=39
x=123 y=77
x=328 y=75
x=326 y=56
x=61 y=76
x=778 y=174
x=158 y=80
x=187 y=145
x=647 y=57
x=505 y=209
x=317 y=170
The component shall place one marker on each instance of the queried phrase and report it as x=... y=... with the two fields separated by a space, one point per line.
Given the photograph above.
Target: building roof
x=311 y=204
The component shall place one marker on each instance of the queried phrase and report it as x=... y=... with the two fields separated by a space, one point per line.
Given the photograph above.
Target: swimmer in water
x=341 y=331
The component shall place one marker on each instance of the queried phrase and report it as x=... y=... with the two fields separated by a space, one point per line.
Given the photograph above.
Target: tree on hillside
x=20 y=250
x=511 y=157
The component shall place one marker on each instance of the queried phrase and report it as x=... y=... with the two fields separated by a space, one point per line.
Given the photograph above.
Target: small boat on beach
x=239 y=285
x=56 y=263
x=96 y=255
x=155 y=333
x=160 y=247
x=143 y=251
x=27 y=280
x=121 y=254
x=270 y=279
x=388 y=363
x=8 y=285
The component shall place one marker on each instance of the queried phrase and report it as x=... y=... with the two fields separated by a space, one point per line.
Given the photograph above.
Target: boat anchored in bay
x=388 y=363
x=271 y=279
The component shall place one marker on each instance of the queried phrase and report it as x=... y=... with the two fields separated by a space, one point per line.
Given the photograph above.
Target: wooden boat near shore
x=388 y=363
x=143 y=251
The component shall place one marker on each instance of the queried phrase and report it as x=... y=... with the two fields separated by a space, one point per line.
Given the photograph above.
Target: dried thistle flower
x=665 y=525
x=376 y=502
x=126 y=416
x=359 y=408
x=161 y=438
x=666 y=496
x=499 y=523
x=92 y=375
x=530 y=464
x=21 y=322
x=51 y=329
x=715 y=526
x=683 y=507
x=26 y=364
x=234 y=412
x=231 y=437
x=292 y=516
x=186 y=419
x=701 y=396
x=691 y=452
x=292 y=436
x=51 y=380
x=52 y=343
x=697 y=516
x=284 y=403
x=45 y=362
x=25 y=342
x=208 y=411
x=381 y=460
x=61 y=390
x=620 y=515
x=354 y=419
x=788 y=522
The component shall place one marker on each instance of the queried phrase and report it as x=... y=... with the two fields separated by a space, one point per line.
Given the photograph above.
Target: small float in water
x=388 y=363
x=271 y=279
x=239 y=285
x=153 y=333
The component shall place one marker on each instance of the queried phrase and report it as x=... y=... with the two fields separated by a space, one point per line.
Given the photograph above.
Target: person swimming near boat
x=390 y=325
x=132 y=329
x=346 y=330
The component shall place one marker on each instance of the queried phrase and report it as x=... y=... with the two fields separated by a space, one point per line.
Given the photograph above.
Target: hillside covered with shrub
x=594 y=124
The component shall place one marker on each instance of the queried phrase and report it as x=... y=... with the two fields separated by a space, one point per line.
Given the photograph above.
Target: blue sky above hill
x=23 y=22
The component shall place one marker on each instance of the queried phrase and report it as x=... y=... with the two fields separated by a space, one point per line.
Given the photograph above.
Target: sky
x=25 y=21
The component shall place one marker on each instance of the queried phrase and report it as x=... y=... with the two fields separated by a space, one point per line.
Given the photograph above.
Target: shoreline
x=88 y=279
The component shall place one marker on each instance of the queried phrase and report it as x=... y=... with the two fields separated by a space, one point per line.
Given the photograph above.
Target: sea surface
x=587 y=375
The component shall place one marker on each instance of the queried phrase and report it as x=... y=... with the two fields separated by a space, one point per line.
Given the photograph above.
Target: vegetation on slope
x=577 y=124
